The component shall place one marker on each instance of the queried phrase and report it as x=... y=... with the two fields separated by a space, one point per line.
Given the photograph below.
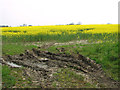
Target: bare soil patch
x=41 y=65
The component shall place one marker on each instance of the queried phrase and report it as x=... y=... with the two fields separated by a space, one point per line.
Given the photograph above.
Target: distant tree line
x=24 y=25
x=4 y=26
x=79 y=23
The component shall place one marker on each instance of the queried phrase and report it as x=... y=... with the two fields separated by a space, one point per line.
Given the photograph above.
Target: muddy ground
x=41 y=65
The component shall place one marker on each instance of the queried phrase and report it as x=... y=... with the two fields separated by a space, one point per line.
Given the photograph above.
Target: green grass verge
x=105 y=53
x=13 y=77
x=15 y=48
x=7 y=79
x=66 y=78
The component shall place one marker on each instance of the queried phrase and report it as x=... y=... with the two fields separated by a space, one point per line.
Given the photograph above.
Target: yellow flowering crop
x=59 y=29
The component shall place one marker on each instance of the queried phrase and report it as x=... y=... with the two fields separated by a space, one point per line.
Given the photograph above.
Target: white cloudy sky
x=52 y=12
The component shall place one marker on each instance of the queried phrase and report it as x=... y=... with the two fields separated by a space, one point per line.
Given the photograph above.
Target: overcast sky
x=52 y=12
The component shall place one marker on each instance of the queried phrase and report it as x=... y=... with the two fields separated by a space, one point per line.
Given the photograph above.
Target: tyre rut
x=44 y=64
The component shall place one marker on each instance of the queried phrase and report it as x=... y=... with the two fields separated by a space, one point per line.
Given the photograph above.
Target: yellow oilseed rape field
x=53 y=30
x=58 y=32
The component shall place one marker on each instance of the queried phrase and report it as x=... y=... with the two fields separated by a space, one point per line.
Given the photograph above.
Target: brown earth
x=41 y=65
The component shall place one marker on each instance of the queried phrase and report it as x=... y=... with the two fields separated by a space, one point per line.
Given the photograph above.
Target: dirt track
x=40 y=65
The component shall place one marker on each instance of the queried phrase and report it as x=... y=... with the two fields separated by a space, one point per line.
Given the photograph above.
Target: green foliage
x=15 y=48
x=8 y=80
x=13 y=77
x=68 y=78
x=105 y=53
x=59 y=37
